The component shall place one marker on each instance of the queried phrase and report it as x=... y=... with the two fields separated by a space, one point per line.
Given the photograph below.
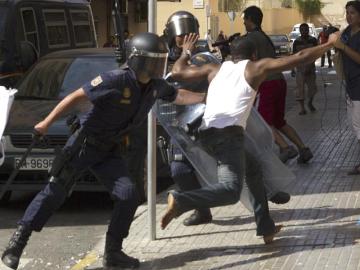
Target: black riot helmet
x=147 y=54
x=181 y=23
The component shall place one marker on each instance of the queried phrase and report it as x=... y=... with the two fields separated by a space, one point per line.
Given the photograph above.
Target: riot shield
x=178 y=123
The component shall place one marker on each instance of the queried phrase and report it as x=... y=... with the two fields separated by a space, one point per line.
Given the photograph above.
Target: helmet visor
x=182 y=25
x=154 y=67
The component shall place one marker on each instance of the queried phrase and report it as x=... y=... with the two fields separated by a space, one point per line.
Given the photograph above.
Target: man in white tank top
x=231 y=93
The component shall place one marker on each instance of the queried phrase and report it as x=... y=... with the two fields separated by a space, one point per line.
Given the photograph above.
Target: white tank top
x=229 y=98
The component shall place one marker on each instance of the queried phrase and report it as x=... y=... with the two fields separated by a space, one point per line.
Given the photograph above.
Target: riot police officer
x=178 y=25
x=121 y=100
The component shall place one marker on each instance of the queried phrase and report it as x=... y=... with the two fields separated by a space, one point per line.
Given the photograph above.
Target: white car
x=294 y=35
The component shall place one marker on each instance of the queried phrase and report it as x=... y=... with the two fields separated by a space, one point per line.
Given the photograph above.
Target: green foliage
x=309 y=7
x=231 y=5
x=287 y=3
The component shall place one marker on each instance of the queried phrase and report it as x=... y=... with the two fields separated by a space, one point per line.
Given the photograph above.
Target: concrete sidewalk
x=320 y=222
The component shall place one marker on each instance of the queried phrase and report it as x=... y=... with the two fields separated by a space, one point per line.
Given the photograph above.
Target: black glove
x=164 y=89
x=161 y=85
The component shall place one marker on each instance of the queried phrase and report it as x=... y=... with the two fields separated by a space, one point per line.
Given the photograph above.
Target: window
x=82 y=29
x=123 y=6
x=141 y=10
x=45 y=79
x=3 y=13
x=30 y=26
x=83 y=70
x=56 y=28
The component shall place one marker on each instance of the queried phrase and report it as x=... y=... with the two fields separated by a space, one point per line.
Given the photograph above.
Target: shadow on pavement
x=291 y=241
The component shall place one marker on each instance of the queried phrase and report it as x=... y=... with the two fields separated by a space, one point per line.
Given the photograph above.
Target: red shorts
x=272 y=102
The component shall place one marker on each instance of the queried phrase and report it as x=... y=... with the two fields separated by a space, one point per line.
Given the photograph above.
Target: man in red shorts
x=272 y=93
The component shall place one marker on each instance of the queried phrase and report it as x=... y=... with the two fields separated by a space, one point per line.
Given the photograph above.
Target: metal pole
x=151 y=142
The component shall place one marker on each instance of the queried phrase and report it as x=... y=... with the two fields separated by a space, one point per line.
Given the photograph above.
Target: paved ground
x=320 y=222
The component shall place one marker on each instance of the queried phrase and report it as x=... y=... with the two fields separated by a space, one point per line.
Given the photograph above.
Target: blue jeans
x=226 y=145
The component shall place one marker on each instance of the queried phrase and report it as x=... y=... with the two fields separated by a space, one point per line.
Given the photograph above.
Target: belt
x=103 y=146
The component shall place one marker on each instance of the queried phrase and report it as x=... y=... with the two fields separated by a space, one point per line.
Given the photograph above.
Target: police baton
x=35 y=139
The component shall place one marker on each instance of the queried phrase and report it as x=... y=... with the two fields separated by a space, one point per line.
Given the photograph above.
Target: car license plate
x=35 y=163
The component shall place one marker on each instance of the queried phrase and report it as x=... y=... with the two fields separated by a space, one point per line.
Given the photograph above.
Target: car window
x=83 y=70
x=3 y=13
x=294 y=35
x=279 y=38
x=1 y=52
x=82 y=27
x=44 y=79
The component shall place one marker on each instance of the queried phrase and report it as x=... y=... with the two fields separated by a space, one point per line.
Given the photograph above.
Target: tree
x=231 y=5
x=287 y=3
x=309 y=8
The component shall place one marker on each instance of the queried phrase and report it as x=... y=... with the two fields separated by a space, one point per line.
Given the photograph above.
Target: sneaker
x=198 y=217
x=305 y=155
x=287 y=153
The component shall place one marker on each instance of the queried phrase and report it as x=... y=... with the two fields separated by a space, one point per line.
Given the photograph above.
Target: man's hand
x=189 y=42
x=335 y=40
x=42 y=127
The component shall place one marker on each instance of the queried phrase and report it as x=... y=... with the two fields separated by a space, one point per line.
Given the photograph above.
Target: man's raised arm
x=183 y=71
x=302 y=57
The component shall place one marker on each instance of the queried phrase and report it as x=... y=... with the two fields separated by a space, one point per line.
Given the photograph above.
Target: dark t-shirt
x=265 y=49
x=350 y=67
x=303 y=43
x=119 y=101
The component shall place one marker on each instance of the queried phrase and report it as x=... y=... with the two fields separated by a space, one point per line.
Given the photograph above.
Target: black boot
x=115 y=258
x=198 y=217
x=17 y=243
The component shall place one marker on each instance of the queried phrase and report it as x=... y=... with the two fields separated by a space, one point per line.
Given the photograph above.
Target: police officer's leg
x=37 y=213
x=135 y=157
x=184 y=176
x=45 y=203
x=123 y=191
